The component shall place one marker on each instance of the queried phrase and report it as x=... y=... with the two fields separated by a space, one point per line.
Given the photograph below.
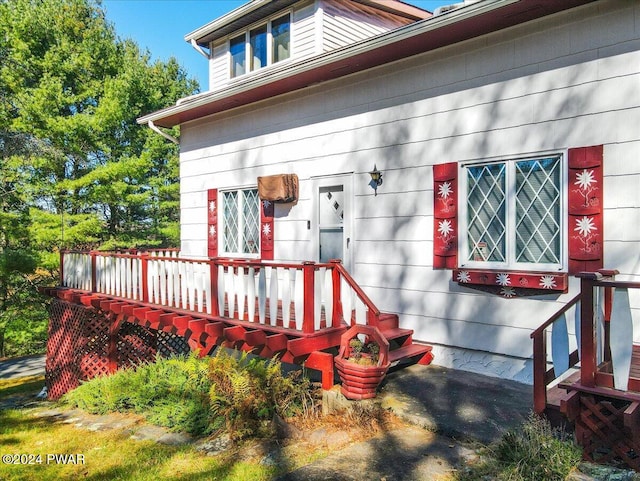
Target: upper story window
x=514 y=214
x=241 y=222
x=261 y=46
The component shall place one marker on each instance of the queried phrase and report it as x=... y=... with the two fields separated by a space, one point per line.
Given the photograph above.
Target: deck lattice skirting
x=297 y=312
x=82 y=344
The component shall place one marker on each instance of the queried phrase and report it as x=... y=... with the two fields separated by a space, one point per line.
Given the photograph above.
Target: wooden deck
x=297 y=312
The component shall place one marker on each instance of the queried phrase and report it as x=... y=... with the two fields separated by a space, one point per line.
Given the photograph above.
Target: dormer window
x=260 y=46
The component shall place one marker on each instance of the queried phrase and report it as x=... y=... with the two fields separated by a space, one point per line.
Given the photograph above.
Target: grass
x=107 y=454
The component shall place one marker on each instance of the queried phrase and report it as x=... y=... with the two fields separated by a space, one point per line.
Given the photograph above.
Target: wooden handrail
x=555 y=316
x=358 y=290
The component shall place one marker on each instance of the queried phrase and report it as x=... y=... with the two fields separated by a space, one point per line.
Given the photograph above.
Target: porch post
x=539 y=372
x=309 y=273
x=213 y=273
x=144 y=291
x=62 y=253
x=93 y=271
x=587 y=329
x=337 y=300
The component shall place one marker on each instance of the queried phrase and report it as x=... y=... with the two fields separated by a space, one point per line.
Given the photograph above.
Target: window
x=261 y=46
x=237 y=48
x=281 y=33
x=258 y=42
x=514 y=214
x=241 y=222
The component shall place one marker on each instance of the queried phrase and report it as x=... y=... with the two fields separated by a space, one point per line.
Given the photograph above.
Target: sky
x=160 y=26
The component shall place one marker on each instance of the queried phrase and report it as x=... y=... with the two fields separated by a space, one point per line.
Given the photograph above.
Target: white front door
x=333 y=219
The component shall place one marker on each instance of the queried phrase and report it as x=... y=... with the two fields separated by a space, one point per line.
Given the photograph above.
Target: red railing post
x=213 y=273
x=337 y=299
x=587 y=329
x=539 y=372
x=608 y=304
x=93 y=271
x=309 y=274
x=62 y=253
x=144 y=291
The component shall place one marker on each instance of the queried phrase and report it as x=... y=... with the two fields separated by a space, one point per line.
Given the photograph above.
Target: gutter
x=153 y=127
x=404 y=42
x=286 y=71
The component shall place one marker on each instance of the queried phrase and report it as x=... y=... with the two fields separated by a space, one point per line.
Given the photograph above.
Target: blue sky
x=160 y=26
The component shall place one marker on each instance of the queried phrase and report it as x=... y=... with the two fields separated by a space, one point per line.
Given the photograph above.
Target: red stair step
x=387 y=321
x=407 y=352
x=396 y=333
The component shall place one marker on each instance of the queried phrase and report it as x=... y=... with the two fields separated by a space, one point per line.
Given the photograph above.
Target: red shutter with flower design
x=445 y=223
x=266 y=230
x=585 y=209
x=212 y=222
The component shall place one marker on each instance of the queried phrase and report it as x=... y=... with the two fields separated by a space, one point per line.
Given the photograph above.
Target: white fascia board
x=220 y=22
x=280 y=72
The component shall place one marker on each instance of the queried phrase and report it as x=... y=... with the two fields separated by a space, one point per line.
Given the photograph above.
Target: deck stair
x=402 y=349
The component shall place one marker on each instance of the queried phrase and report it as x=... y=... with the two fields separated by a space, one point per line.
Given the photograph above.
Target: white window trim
x=221 y=246
x=247 y=44
x=463 y=239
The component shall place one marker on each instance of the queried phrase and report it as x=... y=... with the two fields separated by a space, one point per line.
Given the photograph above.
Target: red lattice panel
x=601 y=432
x=78 y=348
x=75 y=348
x=135 y=344
x=169 y=344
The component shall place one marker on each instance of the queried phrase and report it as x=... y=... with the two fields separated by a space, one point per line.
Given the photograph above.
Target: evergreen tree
x=77 y=171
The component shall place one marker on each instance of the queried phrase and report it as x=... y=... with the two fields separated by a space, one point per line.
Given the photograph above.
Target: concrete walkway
x=22 y=367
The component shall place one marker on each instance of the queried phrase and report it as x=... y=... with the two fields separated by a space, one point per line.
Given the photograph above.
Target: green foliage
x=76 y=170
x=534 y=451
x=199 y=396
x=245 y=393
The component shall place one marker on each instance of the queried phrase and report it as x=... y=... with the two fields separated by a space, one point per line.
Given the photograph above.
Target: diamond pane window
x=538 y=231
x=251 y=222
x=486 y=213
x=514 y=214
x=241 y=218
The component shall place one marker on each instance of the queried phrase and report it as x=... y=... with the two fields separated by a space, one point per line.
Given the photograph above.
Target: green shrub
x=245 y=393
x=200 y=396
x=534 y=451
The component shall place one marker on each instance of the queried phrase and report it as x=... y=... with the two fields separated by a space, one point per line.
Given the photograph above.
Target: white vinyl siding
x=570 y=80
x=303 y=32
x=219 y=65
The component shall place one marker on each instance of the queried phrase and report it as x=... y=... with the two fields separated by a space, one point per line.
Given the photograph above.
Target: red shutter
x=585 y=209
x=266 y=230
x=212 y=222
x=445 y=222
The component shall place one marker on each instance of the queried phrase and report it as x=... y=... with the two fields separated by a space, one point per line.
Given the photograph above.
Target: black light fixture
x=376 y=178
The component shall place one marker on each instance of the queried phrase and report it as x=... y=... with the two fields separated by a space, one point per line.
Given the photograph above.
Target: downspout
x=153 y=127
x=198 y=48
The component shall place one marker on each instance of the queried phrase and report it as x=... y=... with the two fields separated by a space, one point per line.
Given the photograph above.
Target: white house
x=506 y=132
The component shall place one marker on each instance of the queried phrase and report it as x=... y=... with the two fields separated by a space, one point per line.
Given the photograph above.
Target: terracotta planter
x=361 y=381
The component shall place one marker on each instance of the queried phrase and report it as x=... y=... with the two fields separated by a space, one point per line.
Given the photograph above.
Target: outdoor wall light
x=376 y=179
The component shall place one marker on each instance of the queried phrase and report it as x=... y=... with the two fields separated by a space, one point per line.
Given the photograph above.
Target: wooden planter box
x=360 y=381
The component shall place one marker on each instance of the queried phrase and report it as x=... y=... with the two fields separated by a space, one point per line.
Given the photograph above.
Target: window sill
x=513 y=283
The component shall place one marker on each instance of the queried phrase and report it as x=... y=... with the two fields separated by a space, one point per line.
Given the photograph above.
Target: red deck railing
x=302 y=297
x=603 y=339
